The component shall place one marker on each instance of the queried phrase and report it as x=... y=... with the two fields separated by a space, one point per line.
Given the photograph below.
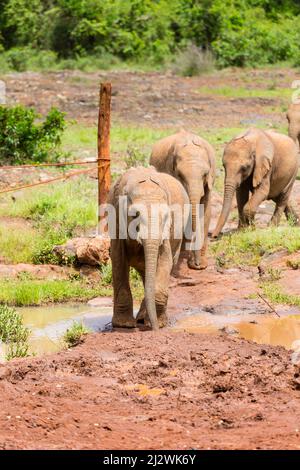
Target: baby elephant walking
x=259 y=165
x=150 y=243
x=191 y=160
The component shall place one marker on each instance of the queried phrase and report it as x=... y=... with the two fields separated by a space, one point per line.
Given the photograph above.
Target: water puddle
x=260 y=328
x=244 y=319
x=48 y=324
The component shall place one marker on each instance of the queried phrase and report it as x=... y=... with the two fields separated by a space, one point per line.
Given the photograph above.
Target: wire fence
x=50 y=180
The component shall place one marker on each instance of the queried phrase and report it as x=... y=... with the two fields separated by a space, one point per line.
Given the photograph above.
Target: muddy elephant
x=145 y=205
x=191 y=160
x=259 y=165
x=293 y=117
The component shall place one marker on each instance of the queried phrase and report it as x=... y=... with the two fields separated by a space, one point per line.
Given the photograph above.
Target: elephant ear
x=264 y=153
x=211 y=159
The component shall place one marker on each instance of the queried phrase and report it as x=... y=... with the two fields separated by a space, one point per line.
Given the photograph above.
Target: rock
x=90 y=251
x=228 y=330
x=91 y=272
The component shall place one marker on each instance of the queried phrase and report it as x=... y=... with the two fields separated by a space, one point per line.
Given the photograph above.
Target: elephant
x=293 y=117
x=263 y=164
x=154 y=257
x=191 y=160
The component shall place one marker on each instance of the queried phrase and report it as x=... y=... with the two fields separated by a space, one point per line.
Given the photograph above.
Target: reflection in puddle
x=262 y=329
x=48 y=324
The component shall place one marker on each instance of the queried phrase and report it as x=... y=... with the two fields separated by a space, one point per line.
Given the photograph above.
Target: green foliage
x=26 y=292
x=248 y=246
x=74 y=335
x=13 y=333
x=106 y=274
x=275 y=295
x=135 y=157
x=239 y=32
x=23 y=140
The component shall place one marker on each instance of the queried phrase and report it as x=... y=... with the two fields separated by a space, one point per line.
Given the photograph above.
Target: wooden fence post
x=104 y=176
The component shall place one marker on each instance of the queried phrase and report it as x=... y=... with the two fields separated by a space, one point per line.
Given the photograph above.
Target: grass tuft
x=74 y=335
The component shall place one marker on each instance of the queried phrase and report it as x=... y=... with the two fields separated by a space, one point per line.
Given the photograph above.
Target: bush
x=193 y=61
x=134 y=157
x=13 y=333
x=23 y=140
x=74 y=335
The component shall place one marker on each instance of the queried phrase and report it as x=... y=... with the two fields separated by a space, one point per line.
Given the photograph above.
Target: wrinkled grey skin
x=259 y=165
x=293 y=117
x=191 y=160
x=152 y=258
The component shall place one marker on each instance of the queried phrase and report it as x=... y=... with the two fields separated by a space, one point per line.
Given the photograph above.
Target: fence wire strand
x=64 y=177
x=41 y=165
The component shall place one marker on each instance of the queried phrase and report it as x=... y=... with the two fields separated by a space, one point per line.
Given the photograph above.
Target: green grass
x=74 y=335
x=243 y=92
x=71 y=203
x=57 y=212
x=27 y=292
x=246 y=247
x=78 y=139
x=274 y=293
x=16 y=247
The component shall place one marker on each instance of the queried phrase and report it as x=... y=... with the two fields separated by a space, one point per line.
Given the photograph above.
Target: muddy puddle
x=49 y=323
x=246 y=319
x=262 y=328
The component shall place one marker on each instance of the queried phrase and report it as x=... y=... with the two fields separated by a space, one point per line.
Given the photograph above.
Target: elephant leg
x=279 y=209
x=284 y=206
x=291 y=214
x=142 y=310
x=123 y=303
x=164 y=268
x=255 y=200
x=242 y=197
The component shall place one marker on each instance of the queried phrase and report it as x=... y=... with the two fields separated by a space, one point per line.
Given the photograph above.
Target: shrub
x=193 y=61
x=13 y=333
x=23 y=140
x=75 y=334
x=135 y=157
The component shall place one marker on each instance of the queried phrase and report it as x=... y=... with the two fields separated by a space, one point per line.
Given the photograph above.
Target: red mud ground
x=142 y=390
x=170 y=390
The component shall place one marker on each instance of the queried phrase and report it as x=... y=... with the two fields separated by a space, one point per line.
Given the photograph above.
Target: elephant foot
x=162 y=321
x=141 y=313
x=242 y=225
x=123 y=321
x=203 y=263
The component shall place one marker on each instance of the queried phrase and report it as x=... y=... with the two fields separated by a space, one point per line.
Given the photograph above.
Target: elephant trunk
x=195 y=196
x=151 y=255
x=230 y=187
